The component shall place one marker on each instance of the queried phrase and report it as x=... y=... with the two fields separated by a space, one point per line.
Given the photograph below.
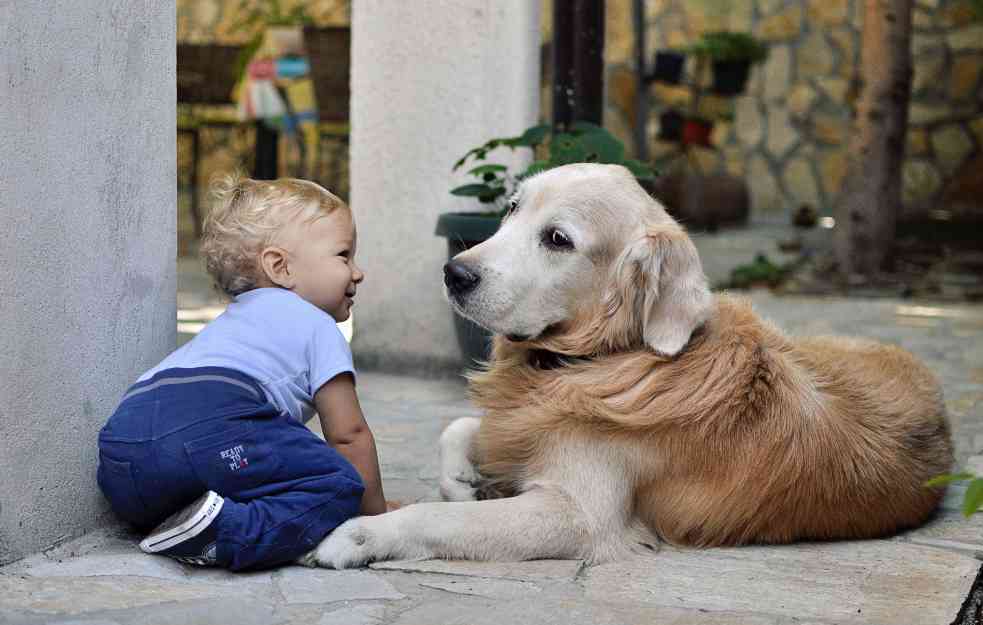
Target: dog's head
x=585 y=263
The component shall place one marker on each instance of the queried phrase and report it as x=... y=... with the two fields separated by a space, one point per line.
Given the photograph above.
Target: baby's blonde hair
x=246 y=216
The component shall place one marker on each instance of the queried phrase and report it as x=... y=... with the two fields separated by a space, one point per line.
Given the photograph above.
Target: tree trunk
x=867 y=210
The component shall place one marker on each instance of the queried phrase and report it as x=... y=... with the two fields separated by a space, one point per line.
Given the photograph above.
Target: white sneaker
x=188 y=535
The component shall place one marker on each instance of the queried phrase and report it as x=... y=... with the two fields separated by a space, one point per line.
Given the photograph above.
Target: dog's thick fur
x=632 y=404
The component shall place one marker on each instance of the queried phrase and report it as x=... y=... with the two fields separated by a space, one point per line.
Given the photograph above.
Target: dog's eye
x=513 y=206
x=555 y=239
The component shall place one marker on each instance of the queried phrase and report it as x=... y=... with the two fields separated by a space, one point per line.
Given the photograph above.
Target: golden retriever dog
x=624 y=403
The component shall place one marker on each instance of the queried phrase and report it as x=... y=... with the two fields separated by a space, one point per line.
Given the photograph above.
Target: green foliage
x=728 y=46
x=258 y=14
x=973 y=499
x=977 y=6
x=581 y=143
x=760 y=272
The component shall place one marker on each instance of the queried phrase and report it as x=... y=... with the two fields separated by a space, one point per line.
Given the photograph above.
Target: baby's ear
x=275 y=265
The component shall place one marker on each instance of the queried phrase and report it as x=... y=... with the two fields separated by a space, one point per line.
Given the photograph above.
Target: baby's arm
x=345 y=429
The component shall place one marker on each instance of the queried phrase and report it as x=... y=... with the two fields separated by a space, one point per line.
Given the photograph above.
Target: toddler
x=210 y=445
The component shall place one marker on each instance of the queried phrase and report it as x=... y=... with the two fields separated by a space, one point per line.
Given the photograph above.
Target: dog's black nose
x=459 y=279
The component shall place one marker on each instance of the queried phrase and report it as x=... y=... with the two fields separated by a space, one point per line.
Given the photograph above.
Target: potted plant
x=732 y=55
x=668 y=67
x=493 y=184
x=697 y=131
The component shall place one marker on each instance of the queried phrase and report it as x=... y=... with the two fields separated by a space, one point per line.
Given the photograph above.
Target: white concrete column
x=87 y=245
x=430 y=80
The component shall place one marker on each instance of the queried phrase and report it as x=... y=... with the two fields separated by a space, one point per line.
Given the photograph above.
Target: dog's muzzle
x=460 y=279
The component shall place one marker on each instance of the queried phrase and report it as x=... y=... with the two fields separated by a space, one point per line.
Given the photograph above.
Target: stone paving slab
x=354 y=615
x=881 y=581
x=304 y=585
x=569 y=610
x=78 y=595
x=875 y=582
x=951 y=531
x=553 y=570
x=135 y=564
x=488 y=588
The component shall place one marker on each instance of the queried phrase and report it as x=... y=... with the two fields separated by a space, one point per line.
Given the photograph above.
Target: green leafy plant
x=973 y=499
x=729 y=46
x=582 y=143
x=762 y=271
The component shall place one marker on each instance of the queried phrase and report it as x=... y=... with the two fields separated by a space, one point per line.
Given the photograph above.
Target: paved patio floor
x=923 y=576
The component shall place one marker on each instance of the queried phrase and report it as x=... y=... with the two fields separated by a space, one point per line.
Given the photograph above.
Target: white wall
x=87 y=244
x=430 y=80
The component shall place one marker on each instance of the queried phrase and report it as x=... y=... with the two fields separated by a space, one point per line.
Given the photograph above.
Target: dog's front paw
x=366 y=539
x=351 y=545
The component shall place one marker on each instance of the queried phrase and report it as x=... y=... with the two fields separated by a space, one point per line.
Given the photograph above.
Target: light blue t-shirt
x=284 y=342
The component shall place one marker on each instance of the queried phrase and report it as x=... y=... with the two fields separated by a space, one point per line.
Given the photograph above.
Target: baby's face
x=322 y=261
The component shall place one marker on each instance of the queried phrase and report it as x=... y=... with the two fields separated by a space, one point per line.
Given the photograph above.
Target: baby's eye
x=345 y=254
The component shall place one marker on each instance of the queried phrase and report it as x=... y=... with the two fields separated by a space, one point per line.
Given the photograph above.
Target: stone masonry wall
x=789 y=134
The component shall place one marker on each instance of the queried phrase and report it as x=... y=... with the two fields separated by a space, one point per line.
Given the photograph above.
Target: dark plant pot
x=668 y=67
x=670 y=126
x=463 y=231
x=730 y=77
x=696 y=131
x=704 y=202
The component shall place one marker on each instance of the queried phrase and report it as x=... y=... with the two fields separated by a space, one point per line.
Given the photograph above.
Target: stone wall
x=788 y=135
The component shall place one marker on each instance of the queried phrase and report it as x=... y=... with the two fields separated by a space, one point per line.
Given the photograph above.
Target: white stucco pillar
x=87 y=245
x=430 y=80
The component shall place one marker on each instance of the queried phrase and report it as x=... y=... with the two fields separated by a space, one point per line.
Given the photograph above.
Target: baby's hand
x=393 y=505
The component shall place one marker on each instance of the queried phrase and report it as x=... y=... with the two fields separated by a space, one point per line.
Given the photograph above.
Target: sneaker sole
x=206 y=512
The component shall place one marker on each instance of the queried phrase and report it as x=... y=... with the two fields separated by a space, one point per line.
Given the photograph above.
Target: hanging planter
x=696 y=131
x=668 y=67
x=732 y=55
x=670 y=126
x=730 y=77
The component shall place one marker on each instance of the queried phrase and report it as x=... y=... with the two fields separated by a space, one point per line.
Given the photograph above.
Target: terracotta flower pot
x=696 y=131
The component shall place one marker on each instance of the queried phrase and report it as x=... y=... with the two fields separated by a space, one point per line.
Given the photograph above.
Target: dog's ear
x=660 y=279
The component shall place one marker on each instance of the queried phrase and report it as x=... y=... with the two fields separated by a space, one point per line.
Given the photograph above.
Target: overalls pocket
x=116 y=481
